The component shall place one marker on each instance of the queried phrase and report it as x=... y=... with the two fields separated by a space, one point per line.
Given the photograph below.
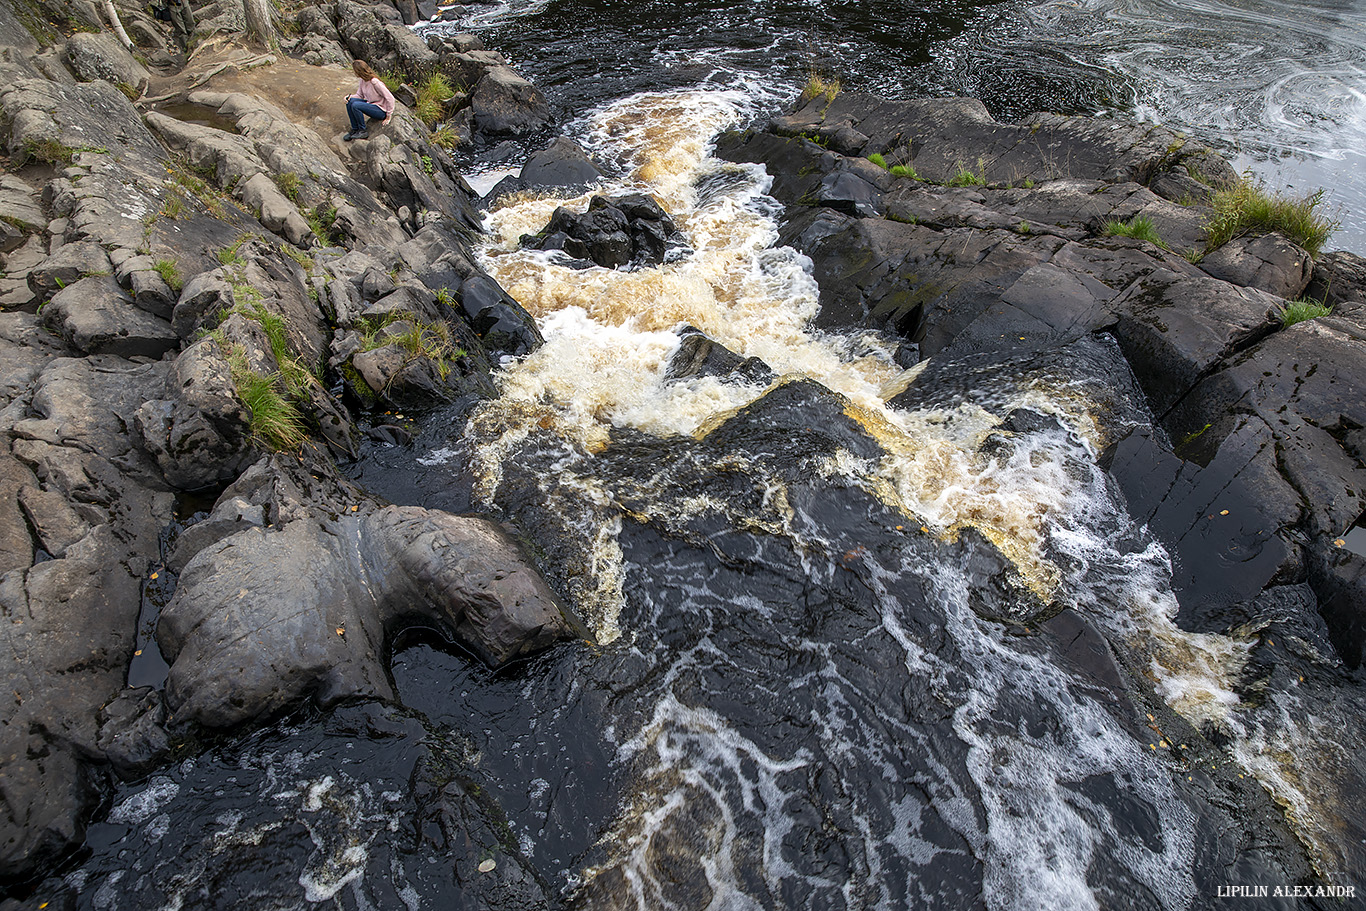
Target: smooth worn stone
x=1174 y=329
x=1338 y=277
x=270 y=616
x=504 y=103
x=68 y=265
x=699 y=356
x=21 y=210
x=196 y=428
x=1269 y=262
x=562 y=164
x=101 y=56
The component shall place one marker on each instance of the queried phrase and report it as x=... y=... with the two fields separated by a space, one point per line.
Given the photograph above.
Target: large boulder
x=1174 y=330
x=1269 y=262
x=270 y=616
x=96 y=316
x=615 y=232
x=505 y=104
x=100 y=56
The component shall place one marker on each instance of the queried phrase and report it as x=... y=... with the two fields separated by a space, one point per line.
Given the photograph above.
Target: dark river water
x=824 y=676
x=1278 y=86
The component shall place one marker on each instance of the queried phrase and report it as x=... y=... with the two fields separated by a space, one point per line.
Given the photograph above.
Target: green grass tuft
x=904 y=170
x=877 y=159
x=818 y=86
x=431 y=99
x=1247 y=207
x=288 y=182
x=1139 y=227
x=966 y=177
x=273 y=418
x=170 y=273
x=1303 y=309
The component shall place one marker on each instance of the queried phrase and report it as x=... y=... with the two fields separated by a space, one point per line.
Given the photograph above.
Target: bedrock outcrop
x=173 y=238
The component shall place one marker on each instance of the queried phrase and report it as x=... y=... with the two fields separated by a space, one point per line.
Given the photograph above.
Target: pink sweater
x=376 y=92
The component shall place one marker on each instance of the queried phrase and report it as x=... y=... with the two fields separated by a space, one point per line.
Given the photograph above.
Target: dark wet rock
x=501 y=323
x=95 y=316
x=940 y=136
x=1339 y=580
x=392 y=434
x=855 y=187
x=699 y=356
x=562 y=164
x=1269 y=262
x=997 y=590
x=230 y=515
x=101 y=56
x=1309 y=406
x=329 y=587
x=614 y=233
x=1222 y=523
x=132 y=733
x=1338 y=276
x=793 y=423
x=505 y=104
x=1174 y=330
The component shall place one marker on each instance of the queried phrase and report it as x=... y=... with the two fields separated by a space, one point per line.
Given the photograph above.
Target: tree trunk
x=260 y=26
x=113 y=15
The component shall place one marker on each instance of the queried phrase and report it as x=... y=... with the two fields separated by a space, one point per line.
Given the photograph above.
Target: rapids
x=815 y=681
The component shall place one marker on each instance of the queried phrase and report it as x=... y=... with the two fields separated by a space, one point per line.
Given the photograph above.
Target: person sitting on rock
x=372 y=99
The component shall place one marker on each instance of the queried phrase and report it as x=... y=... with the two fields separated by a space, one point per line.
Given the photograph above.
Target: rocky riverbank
x=210 y=300
x=206 y=292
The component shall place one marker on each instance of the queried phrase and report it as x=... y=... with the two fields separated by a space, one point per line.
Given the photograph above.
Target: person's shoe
x=349 y=136
x=361 y=134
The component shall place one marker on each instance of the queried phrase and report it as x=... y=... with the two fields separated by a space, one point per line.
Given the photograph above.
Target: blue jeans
x=357 y=110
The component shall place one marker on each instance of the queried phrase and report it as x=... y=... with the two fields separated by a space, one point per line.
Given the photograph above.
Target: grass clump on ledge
x=904 y=170
x=431 y=99
x=1140 y=227
x=1248 y=207
x=966 y=177
x=170 y=273
x=1305 y=308
x=273 y=417
x=818 y=86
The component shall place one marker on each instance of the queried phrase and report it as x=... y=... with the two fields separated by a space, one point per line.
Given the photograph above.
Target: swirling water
x=1278 y=86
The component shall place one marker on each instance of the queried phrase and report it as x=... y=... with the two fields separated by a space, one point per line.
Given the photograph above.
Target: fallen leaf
x=138 y=652
x=153 y=575
x=341 y=631
x=1223 y=512
x=487 y=866
x=1340 y=542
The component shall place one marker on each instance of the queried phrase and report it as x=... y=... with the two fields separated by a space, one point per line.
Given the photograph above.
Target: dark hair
x=362 y=69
